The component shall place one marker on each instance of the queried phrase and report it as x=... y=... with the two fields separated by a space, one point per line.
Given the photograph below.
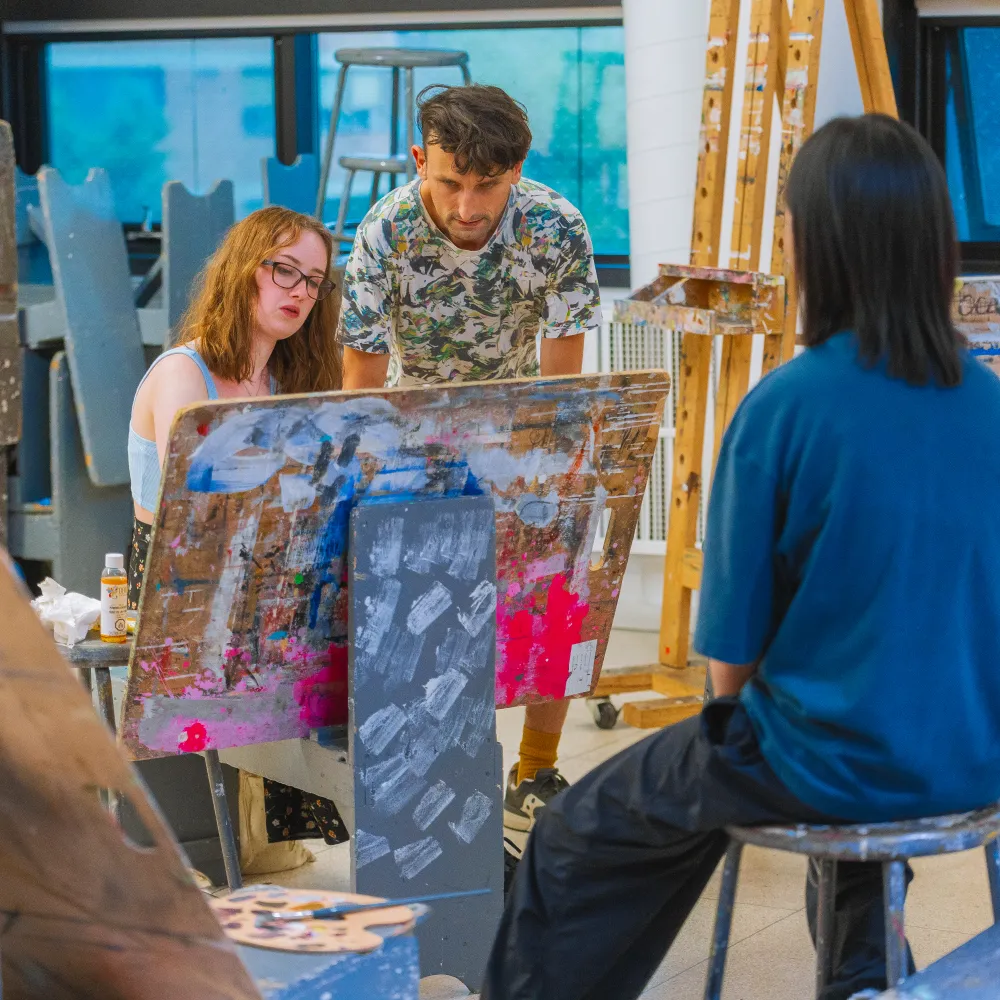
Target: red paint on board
x=203 y=429
x=322 y=696
x=193 y=738
x=533 y=647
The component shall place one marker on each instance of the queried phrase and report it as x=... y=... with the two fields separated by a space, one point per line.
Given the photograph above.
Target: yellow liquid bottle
x=114 y=599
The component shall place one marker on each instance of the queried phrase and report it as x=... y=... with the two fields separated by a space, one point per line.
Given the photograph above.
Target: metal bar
x=411 y=113
x=105 y=698
x=331 y=135
x=993 y=874
x=394 y=122
x=723 y=921
x=227 y=839
x=345 y=199
x=894 y=887
x=826 y=900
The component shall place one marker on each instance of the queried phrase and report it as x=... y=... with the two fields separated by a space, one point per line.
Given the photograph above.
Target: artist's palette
x=243 y=918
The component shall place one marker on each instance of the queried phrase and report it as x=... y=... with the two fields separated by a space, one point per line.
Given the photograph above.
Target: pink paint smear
x=322 y=696
x=533 y=649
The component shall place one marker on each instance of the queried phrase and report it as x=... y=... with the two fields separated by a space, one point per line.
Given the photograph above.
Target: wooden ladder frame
x=782 y=58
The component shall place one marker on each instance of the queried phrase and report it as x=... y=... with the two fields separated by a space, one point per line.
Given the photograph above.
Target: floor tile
x=950 y=893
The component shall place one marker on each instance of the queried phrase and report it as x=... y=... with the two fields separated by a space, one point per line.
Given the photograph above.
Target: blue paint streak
x=278 y=635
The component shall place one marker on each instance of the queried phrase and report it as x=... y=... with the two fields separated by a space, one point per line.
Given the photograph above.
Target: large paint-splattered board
x=242 y=634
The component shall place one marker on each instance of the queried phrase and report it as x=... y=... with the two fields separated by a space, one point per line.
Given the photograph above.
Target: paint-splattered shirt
x=447 y=314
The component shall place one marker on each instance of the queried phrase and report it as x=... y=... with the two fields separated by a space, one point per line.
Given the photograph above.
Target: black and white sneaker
x=523 y=800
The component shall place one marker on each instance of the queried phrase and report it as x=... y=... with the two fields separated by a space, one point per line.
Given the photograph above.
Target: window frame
x=938 y=38
x=296 y=84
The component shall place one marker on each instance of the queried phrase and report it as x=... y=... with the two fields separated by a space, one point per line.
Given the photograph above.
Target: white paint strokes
x=442 y=692
x=432 y=545
x=475 y=534
x=412 y=859
x=368 y=847
x=452 y=650
x=392 y=784
x=581 y=667
x=378 y=616
x=436 y=799
x=475 y=813
x=297 y=491
x=482 y=608
x=399 y=658
x=482 y=722
x=427 y=608
x=387 y=548
x=234 y=570
x=379 y=729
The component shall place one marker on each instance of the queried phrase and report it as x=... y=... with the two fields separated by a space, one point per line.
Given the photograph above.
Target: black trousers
x=615 y=864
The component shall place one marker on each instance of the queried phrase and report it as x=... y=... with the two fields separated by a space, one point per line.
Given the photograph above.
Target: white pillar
x=664 y=75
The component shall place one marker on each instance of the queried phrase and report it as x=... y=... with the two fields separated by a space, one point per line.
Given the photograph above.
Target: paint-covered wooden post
x=693 y=372
x=798 y=115
x=698 y=303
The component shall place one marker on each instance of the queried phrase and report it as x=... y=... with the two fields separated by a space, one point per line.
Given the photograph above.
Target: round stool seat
x=878 y=841
x=402 y=58
x=375 y=164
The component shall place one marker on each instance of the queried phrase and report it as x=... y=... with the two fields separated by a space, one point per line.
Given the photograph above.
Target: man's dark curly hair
x=483 y=127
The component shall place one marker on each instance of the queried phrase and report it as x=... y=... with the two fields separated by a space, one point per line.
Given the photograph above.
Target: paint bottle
x=114 y=599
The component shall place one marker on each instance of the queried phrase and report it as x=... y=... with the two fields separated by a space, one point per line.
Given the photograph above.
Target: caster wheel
x=604 y=712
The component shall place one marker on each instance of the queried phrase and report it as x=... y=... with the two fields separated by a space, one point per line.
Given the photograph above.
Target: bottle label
x=114 y=601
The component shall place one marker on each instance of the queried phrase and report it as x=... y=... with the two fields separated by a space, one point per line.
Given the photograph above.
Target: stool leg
x=993 y=873
x=826 y=900
x=723 y=921
x=106 y=701
x=894 y=888
x=376 y=177
x=230 y=855
x=411 y=114
x=394 y=123
x=466 y=75
x=345 y=200
x=324 y=174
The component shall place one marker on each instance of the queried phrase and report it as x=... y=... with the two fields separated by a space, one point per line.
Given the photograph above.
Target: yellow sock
x=538 y=750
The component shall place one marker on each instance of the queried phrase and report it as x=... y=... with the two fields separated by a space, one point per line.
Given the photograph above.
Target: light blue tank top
x=143 y=462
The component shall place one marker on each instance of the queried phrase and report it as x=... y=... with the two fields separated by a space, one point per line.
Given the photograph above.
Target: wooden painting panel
x=242 y=634
x=87 y=914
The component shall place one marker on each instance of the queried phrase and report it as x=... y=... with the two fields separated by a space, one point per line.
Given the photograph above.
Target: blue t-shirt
x=853 y=546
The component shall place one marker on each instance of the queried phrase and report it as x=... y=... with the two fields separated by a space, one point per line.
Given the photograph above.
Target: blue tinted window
x=571 y=80
x=192 y=110
x=972 y=132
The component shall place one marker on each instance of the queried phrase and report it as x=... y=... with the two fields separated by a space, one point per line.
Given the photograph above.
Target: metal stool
x=406 y=60
x=892 y=844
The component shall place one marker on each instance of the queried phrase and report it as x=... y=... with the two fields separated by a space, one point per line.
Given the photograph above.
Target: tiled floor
x=771 y=957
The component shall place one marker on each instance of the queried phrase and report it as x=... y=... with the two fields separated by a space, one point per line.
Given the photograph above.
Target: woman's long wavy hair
x=223 y=311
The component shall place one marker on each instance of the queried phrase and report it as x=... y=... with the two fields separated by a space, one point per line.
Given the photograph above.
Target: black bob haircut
x=483 y=127
x=875 y=249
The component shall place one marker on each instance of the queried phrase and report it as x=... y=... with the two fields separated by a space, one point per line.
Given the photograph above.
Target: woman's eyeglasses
x=287 y=276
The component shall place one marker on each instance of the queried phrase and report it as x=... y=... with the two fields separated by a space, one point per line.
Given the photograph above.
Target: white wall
x=664 y=76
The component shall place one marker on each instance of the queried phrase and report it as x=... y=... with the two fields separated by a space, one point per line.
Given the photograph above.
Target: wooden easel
x=782 y=64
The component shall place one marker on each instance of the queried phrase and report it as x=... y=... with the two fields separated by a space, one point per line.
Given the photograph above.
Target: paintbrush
x=336 y=912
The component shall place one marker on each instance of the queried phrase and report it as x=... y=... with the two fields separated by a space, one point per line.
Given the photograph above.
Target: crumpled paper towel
x=69 y=615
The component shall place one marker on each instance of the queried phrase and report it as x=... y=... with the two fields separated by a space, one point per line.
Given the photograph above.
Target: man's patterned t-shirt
x=446 y=314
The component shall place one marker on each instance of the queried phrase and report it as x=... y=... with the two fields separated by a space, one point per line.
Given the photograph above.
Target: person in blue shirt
x=850 y=603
